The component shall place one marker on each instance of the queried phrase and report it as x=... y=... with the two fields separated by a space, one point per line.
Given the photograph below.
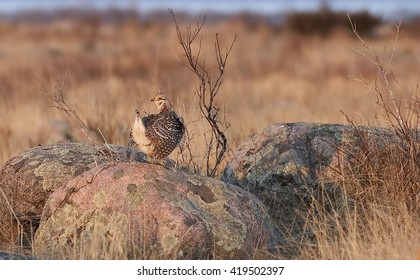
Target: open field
x=272 y=76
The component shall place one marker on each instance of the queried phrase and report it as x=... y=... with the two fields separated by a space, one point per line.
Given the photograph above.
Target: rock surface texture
x=27 y=180
x=281 y=166
x=100 y=202
x=134 y=210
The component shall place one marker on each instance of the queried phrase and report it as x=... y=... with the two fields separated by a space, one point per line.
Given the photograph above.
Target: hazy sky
x=380 y=7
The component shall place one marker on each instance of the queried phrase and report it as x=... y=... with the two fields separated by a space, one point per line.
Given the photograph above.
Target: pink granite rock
x=134 y=210
x=27 y=180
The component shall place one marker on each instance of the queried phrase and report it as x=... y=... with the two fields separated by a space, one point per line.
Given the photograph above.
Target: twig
x=57 y=97
x=207 y=90
x=373 y=57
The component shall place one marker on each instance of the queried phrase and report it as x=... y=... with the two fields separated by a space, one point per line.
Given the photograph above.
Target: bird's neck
x=165 y=107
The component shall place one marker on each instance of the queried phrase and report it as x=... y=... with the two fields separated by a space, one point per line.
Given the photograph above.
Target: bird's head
x=162 y=102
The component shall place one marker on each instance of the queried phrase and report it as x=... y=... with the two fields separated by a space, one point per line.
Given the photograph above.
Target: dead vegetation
x=209 y=84
x=378 y=173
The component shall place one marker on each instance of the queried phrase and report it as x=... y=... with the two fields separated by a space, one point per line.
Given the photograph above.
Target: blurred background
x=292 y=61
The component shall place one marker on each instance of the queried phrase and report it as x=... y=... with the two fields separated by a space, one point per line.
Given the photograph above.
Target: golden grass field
x=272 y=76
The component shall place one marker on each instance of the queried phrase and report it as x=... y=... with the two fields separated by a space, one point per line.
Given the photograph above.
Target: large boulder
x=291 y=166
x=281 y=166
x=134 y=210
x=27 y=180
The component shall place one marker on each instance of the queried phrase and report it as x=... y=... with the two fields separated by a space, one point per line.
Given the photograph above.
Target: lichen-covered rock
x=133 y=210
x=291 y=167
x=27 y=180
x=281 y=164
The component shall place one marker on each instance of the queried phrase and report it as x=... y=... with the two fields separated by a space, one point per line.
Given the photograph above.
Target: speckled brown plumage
x=158 y=134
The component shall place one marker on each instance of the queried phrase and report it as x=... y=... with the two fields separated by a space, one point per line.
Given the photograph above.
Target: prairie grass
x=272 y=76
x=377 y=171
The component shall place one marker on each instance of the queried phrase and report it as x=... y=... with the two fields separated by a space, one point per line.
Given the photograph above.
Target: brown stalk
x=207 y=90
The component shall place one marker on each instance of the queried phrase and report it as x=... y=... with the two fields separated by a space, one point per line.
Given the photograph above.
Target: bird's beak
x=153 y=99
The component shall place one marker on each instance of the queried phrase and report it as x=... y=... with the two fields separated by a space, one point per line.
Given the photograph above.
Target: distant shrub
x=322 y=22
x=412 y=26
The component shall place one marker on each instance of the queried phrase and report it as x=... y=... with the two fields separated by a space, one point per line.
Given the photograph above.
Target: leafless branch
x=57 y=97
x=401 y=124
x=208 y=87
x=370 y=54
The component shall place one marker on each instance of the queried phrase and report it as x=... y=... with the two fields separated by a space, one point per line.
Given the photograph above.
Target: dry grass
x=271 y=76
x=378 y=213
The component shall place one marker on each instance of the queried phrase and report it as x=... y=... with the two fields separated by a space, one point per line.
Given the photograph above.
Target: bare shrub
x=378 y=172
x=92 y=134
x=386 y=170
x=56 y=96
x=209 y=83
x=324 y=21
